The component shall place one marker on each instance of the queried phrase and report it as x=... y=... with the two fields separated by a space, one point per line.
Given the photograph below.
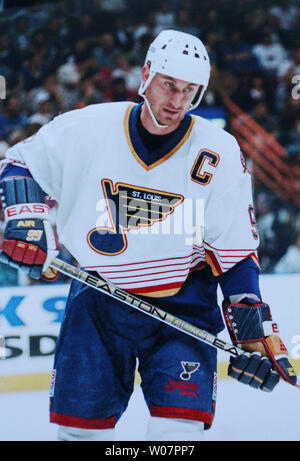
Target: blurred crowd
x=65 y=55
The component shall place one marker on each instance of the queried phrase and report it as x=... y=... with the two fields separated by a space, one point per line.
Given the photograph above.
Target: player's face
x=169 y=98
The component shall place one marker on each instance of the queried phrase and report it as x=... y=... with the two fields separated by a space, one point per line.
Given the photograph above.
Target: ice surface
x=242 y=414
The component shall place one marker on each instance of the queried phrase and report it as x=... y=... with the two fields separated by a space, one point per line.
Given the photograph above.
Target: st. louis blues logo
x=129 y=207
x=189 y=368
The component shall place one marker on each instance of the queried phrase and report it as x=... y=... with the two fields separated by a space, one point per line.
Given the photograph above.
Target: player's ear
x=145 y=73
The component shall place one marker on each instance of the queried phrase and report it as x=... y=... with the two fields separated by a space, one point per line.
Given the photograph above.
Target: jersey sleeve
x=230 y=227
x=44 y=154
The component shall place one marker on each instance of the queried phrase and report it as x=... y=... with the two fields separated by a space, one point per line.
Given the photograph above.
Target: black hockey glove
x=29 y=240
x=266 y=357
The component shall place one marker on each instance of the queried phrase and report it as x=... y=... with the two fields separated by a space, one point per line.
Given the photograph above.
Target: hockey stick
x=143 y=306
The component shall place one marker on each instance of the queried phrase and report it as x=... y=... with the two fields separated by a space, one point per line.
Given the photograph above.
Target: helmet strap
x=152 y=115
x=142 y=92
x=198 y=97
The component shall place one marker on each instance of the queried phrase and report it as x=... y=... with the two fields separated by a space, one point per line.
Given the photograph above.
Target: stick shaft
x=143 y=306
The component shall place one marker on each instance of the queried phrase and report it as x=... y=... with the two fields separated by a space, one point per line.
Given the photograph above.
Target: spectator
x=83 y=57
x=83 y=28
x=257 y=89
x=10 y=56
x=123 y=36
x=17 y=136
x=131 y=74
x=285 y=12
x=32 y=128
x=50 y=87
x=12 y=118
x=103 y=19
x=137 y=56
x=20 y=29
x=271 y=56
x=34 y=71
x=262 y=116
x=236 y=54
x=106 y=51
x=290 y=262
x=293 y=144
x=44 y=108
x=251 y=23
x=293 y=65
x=147 y=26
x=209 y=23
x=68 y=85
x=102 y=80
x=164 y=18
x=113 y=5
x=89 y=94
x=3 y=148
x=38 y=15
x=290 y=112
x=265 y=221
x=212 y=41
x=184 y=22
x=119 y=92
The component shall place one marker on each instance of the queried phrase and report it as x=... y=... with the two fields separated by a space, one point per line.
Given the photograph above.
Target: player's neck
x=150 y=126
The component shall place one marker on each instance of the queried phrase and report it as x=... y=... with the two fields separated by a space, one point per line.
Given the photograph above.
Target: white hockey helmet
x=181 y=56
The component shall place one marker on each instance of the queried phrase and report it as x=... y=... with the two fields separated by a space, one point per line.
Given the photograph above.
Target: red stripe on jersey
x=143 y=268
x=232 y=263
x=142 y=262
x=200 y=265
x=215 y=263
x=255 y=258
x=84 y=423
x=198 y=258
x=234 y=256
x=150 y=273
x=185 y=413
x=221 y=249
x=168 y=286
x=197 y=254
x=152 y=280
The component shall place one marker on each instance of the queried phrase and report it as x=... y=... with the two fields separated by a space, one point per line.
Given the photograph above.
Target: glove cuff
x=248 y=322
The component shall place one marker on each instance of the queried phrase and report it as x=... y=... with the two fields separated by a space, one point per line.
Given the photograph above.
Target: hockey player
x=122 y=174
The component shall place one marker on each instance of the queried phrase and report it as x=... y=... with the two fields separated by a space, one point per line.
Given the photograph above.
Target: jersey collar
x=146 y=159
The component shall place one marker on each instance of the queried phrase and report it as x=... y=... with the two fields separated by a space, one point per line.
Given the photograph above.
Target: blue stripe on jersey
x=141 y=150
x=13 y=171
x=242 y=278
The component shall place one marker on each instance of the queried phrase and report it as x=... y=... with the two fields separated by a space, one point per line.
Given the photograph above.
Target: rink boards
x=30 y=319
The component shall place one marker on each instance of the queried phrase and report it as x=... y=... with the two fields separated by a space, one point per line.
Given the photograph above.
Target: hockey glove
x=251 y=326
x=29 y=240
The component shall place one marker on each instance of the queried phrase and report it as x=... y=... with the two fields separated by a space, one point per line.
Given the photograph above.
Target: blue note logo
x=188 y=369
x=129 y=207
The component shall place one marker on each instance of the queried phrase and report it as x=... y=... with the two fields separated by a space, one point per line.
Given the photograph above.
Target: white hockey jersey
x=143 y=225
